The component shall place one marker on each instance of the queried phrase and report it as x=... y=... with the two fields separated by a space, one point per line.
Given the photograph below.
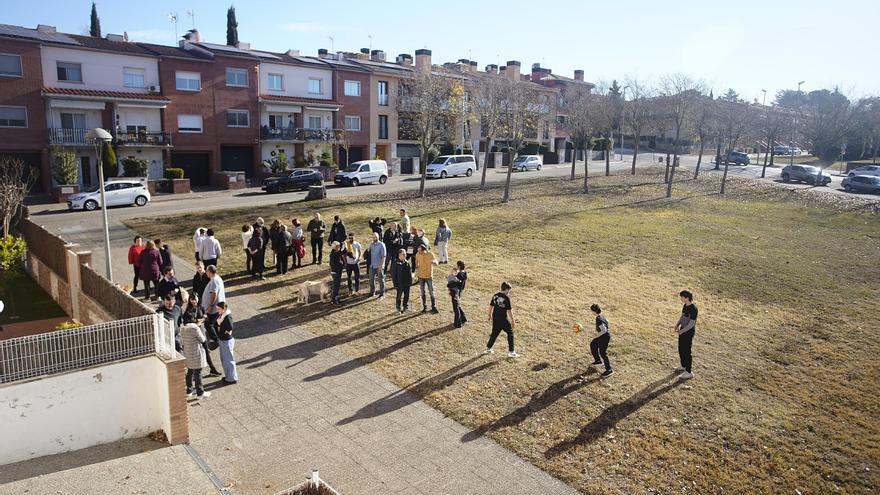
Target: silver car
x=865 y=170
x=528 y=162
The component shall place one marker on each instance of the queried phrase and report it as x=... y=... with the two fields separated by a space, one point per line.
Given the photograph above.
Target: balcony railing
x=298 y=134
x=284 y=133
x=69 y=137
x=143 y=139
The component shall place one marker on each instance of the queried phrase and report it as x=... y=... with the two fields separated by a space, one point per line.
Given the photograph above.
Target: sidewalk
x=364 y=434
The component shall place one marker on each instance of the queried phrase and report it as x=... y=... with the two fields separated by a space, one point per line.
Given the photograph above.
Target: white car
x=865 y=170
x=363 y=172
x=451 y=165
x=528 y=162
x=117 y=192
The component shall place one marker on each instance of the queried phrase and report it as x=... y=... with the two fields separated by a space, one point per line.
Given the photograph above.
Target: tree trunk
x=424 y=170
x=769 y=149
x=586 y=170
x=666 y=172
x=506 y=197
x=724 y=177
x=674 y=159
x=718 y=154
x=635 y=153
x=486 y=161
x=608 y=144
x=699 y=157
x=671 y=177
x=764 y=169
x=574 y=160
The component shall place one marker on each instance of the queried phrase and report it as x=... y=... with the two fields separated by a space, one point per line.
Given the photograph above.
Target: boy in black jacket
x=402 y=278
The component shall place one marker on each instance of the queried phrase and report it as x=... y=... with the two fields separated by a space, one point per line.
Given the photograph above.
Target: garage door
x=196 y=167
x=237 y=159
x=357 y=154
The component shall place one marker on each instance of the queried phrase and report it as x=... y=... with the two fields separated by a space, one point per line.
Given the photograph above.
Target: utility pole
x=791 y=141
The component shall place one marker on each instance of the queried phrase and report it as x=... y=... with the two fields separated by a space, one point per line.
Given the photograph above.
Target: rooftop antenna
x=332 y=50
x=371 y=42
x=173 y=18
x=192 y=17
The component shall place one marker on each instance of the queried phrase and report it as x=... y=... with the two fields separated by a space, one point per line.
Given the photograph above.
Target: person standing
x=285 y=244
x=404 y=220
x=211 y=251
x=169 y=286
x=200 y=280
x=227 y=344
x=193 y=338
x=686 y=328
x=392 y=241
x=352 y=264
x=172 y=314
x=337 y=231
x=599 y=344
x=150 y=267
x=198 y=314
x=316 y=228
x=402 y=278
x=417 y=240
x=425 y=262
x=134 y=259
x=337 y=265
x=198 y=237
x=377 y=224
x=377 y=266
x=455 y=282
x=215 y=292
x=165 y=250
x=441 y=241
x=299 y=245
x=255 y=248
x=246 y=233
x=274 y=242
x=501 y=316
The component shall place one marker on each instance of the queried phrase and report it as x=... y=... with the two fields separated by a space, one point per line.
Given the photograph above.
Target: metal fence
x=29 y=357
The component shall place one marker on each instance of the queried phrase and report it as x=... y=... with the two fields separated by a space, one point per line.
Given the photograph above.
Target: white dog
x=309 y=288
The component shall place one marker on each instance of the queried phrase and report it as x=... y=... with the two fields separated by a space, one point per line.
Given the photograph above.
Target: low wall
x=103 y=404
x=46 y=246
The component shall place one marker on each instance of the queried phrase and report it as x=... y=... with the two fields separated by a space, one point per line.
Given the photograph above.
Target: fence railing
x=143 y=138
x=29 y=357
x=58 y=135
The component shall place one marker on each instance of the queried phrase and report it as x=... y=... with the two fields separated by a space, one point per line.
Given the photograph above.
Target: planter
x=180 y=186
x=230 y=180
x=60 y=193
x=151 y=186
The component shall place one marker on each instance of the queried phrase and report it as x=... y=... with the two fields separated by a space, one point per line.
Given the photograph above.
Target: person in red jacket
x=134 y=259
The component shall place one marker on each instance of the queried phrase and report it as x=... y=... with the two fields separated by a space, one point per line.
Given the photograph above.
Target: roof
x=233 y=51
x=370 y=64
x=94 y=93
x=297 y=99
x=111 y=46
x=32 y=34
x=556 y=77
x=174 y=51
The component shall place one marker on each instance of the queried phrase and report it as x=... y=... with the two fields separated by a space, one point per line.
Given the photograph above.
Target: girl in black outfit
x=194 y=309
x=599 y=344
x=455 y=283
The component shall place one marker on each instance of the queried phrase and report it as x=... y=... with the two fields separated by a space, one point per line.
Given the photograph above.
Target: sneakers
x=595 y=363
x=434 y=311
x=687 y=375
x=512 y=354
x=488 y=351
x=424 y=309
x=679 y=369
x=204 y=395
x=607 y=373
x=190 y=394
x=380 y=297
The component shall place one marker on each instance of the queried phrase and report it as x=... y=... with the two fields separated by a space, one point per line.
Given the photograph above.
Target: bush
x=326 y=160
x=109 y=163
x=67 y=325
x=300 y=162
x=135 y=167
x=174 y=173
x=11 y=250
x=65 y=169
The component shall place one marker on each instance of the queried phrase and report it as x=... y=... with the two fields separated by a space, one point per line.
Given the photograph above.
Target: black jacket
x=377 y=226
x=164 y=287
x=337 y=261
x=392 y=241
x=225 y=326
x=400 y=273
x=318 y=225
x=199 y=284
x=166 y=256
x=337 y=232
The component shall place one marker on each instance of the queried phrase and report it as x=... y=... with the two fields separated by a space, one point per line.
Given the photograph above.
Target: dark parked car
x=804 y=173
x=736 y=158
x=297 y=179
x=862 y=183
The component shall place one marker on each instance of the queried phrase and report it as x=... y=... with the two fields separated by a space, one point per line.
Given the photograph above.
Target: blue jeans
x=230 y=373
x=430 y=283
x=377 y=273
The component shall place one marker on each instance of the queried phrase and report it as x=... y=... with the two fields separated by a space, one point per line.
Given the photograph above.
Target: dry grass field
x=785 y=398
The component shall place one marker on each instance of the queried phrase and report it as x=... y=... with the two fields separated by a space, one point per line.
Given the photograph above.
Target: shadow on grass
x=609 y=418
x=355 y=363
x=417 y=391
x=538 y=402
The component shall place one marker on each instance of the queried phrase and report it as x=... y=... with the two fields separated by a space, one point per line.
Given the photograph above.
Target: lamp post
x=791 y=142
x=622 y=118
x=102 y=138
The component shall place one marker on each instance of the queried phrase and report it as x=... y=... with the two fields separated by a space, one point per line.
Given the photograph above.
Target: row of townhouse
x=208 y=108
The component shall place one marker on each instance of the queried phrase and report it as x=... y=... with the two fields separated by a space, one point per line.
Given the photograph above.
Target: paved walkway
x=364 y=434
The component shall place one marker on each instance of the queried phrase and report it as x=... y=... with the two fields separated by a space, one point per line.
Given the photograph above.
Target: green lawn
x=24 y=300
x=786 y=394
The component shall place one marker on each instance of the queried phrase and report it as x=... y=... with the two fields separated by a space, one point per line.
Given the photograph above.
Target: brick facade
x=358 y=106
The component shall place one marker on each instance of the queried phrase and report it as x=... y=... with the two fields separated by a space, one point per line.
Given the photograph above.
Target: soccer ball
x=576 y=328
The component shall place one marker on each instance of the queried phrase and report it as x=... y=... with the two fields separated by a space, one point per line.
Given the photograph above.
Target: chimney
x=526 y=77
x=423 y=60
x=364 y=54
x=513 y=69
x=323 y=53
x=192 y=36
x=578 y=75
x=502 y=71
x=491 y=69
x=464 y=64
x=115 y=37
x=538 y=72
x=293 y=53
x=405 y=59
x=474 y=67
x=45 y=28
x=243 y=46
x=377 y=56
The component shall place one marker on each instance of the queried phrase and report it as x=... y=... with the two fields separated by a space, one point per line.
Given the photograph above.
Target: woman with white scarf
x=227 y=344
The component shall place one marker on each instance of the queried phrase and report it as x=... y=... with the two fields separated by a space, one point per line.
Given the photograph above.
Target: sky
x=746 y=45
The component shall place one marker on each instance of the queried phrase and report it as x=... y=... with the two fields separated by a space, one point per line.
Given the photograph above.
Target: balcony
x=68 y=137
x=318 y=134
x=298 y=134
x=278 y=133
x=143 y=139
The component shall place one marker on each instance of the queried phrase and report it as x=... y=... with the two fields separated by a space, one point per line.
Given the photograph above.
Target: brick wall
x=355 y=105
x=179 y=428
x=49 y=248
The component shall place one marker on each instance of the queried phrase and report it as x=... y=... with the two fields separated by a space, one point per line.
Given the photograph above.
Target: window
x=315 y=86
x=13 y=117
x=135 y=129
x=352 y=123
x=189 y=123
x=133 y=77
x=383 y=127
x=314 y=122
x=10 y=65
x=352 y=88
x=69 y=72
x=383 y=93
x=560 y=119
x=73 y=120
x=188 y=81
x=237 y=77
x=276 y=82
x=237 y=118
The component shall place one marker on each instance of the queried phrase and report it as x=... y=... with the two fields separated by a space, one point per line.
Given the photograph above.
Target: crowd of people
x=397 y=250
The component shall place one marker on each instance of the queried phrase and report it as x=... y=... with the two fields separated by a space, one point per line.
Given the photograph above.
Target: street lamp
x=622 y=118
x=791 y=142
x=101 y=137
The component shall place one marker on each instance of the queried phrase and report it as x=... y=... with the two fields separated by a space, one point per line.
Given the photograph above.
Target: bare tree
x=776 y=122
x=520 y=111
x=637 y=112
x=343 y=140
x=826 y=117
x=581 y=122
x=428 y=104
x=735 y=117
x=681 y=94
x=705 y=125
x=487 y=103
x=16 y=180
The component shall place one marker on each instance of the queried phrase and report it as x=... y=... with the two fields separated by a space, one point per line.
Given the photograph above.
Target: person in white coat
x=192 y=338
x=198 y=237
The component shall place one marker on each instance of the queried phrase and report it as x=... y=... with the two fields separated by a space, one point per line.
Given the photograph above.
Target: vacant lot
x=786 y=390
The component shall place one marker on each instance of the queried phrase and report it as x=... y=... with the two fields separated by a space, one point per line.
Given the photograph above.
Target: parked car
x=736 y=158
x=451 y=165
x=861 y=183
x=804 y=173
x=363 y=172
x=796 y=151
x=526 y=162
x=297 y=179
x=865 y=170
x=781 y=150
x=117 y=192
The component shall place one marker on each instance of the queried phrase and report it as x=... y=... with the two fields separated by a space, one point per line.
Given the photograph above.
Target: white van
x=363 y=172
x=451 y=165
